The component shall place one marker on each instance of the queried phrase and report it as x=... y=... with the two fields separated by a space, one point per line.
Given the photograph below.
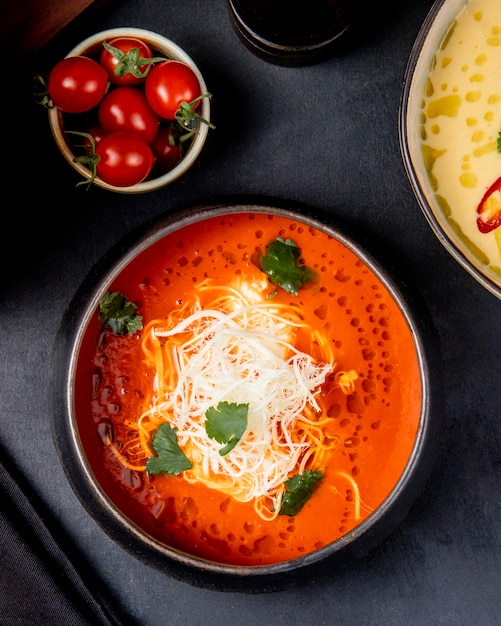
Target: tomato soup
x=375 y=424
x=460 y=126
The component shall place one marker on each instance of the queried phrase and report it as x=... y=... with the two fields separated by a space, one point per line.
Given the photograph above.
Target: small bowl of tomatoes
x=129 y=110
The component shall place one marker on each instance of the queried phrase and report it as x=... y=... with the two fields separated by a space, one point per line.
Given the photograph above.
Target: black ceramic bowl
x=386 y=427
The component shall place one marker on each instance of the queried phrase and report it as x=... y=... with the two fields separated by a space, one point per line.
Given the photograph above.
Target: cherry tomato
x=166 y=150
x=125 y=159
x=77 y=84
x=124 y=69
x=97 y=133
x=126 y=109
x=168 y=84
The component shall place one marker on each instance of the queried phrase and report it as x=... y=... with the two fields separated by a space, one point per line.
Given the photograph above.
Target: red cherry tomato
x=124 y=69
x=77 y=84
x=166 y=150
x=96 y=133
x=168 y=84
x=125 y=159
x=126 y=109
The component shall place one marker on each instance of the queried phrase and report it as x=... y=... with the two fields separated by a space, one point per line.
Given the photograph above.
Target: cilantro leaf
x=118 y=314
x=171 y=459
x=498 y=143
x=298 y=490
x=280 y=263
x=226 y=423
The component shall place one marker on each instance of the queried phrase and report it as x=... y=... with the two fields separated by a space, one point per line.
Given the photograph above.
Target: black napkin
x=39 y=582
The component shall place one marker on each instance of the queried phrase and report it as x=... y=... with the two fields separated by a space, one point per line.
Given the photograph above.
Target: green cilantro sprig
x=298 y=490
x=226 y=423
x=281 y=264
x=120 y=315
x=171 y=459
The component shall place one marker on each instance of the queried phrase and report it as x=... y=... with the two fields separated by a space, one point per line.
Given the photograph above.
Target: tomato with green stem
x=77 y=84
x=127 y=60
x=173 y=91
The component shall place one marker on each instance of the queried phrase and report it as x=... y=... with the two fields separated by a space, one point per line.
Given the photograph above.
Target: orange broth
x=376 y=424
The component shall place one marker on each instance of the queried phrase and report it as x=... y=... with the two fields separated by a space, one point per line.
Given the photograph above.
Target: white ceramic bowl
x=164 y=47
x=453 y=220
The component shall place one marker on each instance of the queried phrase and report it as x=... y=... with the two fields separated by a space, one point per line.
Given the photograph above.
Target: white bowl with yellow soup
x=450 y=124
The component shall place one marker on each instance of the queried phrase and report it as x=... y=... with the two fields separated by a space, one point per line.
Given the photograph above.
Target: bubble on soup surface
x=132 y=479
x=334 y=410
x=106 y=394
x=189 y=509
x=355 y=404
x=114 y=408
x=225 y=505
x=264 y=545
x=342 y=275
x=321 y=312
x=220 y=545
x=229 y=257
x=96 y=383
x=164 y=511
x=368 y=354
x=368 y=385
x=106 y=432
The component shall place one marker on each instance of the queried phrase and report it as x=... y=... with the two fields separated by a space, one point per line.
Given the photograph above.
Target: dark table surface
x=325 y=135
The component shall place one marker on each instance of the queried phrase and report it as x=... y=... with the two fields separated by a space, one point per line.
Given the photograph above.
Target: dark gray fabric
x=42 y=578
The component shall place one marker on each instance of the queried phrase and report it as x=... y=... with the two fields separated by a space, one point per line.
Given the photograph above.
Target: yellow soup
x=460 y=127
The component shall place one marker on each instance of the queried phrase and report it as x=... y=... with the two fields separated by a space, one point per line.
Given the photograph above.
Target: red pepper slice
x=488 y=225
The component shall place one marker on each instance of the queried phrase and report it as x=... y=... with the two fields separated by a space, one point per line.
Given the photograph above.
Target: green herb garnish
x=498 y=144
x=226 y=423
x=298 y=490
x=171 y=459
x=281 y=264
x=118 y=314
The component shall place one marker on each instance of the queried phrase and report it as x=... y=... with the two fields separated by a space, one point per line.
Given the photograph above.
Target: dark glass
x=291 y=32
